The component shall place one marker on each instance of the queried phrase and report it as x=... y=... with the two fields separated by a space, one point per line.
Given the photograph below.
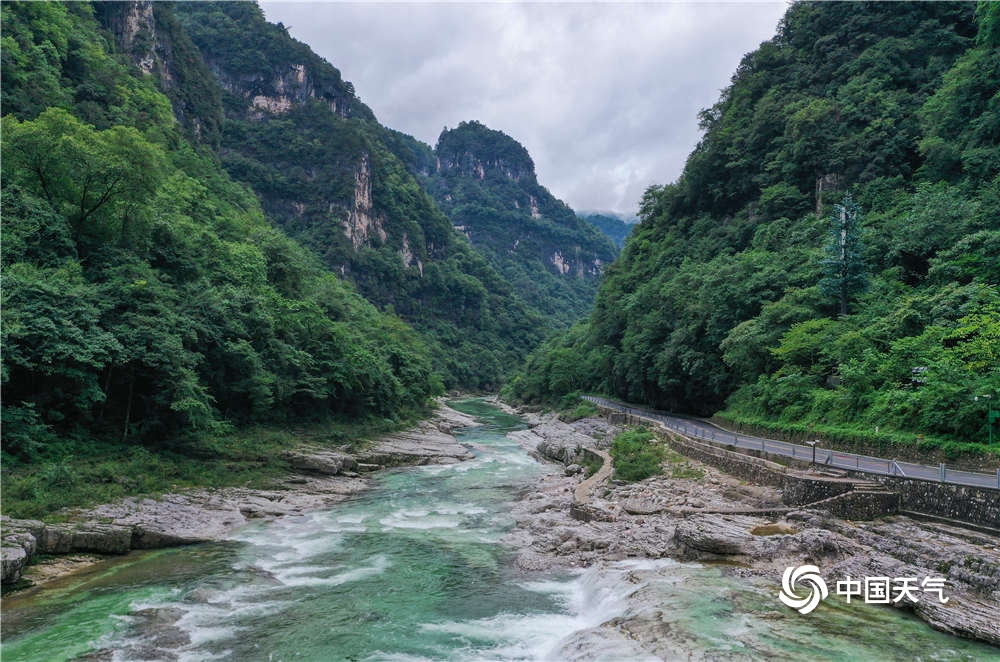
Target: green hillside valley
x=513 y=331
x=727 y=296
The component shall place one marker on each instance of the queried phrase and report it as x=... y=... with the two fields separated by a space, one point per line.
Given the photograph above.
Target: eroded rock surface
x=718 y=518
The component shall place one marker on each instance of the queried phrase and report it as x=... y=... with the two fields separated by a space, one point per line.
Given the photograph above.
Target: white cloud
x=604 y=96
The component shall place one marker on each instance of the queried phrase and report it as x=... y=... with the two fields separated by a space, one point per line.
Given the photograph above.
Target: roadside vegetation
x=830 y=257
x=636 y=455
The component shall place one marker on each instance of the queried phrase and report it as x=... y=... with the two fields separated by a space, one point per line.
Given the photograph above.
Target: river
x=416 y=569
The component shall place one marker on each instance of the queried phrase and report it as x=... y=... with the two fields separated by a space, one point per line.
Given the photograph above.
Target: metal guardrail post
x=998 y=479
x=943 y=471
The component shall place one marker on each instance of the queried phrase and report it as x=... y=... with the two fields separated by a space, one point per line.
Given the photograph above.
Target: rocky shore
x=323 y=477
x=688 y=514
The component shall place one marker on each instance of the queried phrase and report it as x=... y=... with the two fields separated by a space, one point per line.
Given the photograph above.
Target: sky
x=604 y=96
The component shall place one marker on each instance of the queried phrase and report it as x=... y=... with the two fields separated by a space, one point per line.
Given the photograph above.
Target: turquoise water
x=415 y=569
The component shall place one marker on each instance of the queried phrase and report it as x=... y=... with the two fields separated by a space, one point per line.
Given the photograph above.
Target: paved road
x=710 y=432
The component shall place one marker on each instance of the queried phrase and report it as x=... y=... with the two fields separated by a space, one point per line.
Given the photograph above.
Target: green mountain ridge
x=613 y=226
x=485 y=182
x=715 y=302
x=198 y=216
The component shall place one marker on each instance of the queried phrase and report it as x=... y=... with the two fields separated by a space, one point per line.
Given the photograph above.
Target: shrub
x=636 y=455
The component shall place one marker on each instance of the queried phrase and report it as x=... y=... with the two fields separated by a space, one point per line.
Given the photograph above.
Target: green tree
x=845 y=273
x=96 y=179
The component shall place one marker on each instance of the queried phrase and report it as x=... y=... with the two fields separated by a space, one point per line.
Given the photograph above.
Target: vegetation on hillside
x=485 y=182
x=614 y=227
x=636 y=455
x=722 y=297
x=147 y=302
x=312 y=163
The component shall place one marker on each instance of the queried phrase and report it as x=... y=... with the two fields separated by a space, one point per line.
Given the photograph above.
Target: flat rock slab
x=424 y=445
x=716 y=534
x=322 y=462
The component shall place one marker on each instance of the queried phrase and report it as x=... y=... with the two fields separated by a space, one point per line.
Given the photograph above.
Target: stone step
x=957 y=527
x=869 y=486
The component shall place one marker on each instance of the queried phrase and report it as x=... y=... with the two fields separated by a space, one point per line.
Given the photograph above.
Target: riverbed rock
x=448 y=420
x=714 y=534
x=12 y=562
x=174 y=519
x=322 y=462
x=425 y=444
x=101 y=538
x=964 y=616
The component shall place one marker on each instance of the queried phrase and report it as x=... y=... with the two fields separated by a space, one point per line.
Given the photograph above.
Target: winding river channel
x=416 y=569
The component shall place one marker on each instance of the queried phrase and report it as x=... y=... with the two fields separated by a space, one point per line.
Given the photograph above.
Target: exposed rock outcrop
x=327 y=476
x=363 y=225
x=719 y=518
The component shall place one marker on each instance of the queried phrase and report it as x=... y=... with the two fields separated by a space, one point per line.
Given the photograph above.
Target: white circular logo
x=809 y=575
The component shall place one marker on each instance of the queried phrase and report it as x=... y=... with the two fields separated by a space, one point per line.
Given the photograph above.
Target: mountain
x=485 y=182
x=326 y=173
x=611 y=225
x=148 y=303
x=730 y=294
x=206 y=228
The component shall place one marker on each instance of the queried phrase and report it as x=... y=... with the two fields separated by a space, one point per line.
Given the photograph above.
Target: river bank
x=323 y=476
x=680 y=516
x=450 y=561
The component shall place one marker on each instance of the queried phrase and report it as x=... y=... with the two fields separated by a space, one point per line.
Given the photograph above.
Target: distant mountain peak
x=473 y=149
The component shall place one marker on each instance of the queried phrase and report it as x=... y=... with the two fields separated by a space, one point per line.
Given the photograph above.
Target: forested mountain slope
x=727 y=294
x=325 y=171
x=485 y=182
x=611 y=225
x=146 y=298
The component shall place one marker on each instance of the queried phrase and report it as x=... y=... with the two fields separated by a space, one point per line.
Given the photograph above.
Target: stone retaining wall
x=860 y=505
x=755 y=470
x=976 y=505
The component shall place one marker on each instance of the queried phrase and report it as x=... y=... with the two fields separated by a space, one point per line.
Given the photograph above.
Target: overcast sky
x=605 y=97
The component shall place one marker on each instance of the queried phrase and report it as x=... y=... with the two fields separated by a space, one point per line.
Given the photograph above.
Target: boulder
x=714 y=534
x=12 y=562
x=324 y=463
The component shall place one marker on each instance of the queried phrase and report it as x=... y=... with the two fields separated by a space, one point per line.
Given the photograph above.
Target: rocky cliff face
x=486 y=181
x=363 y=224
x=153 y=41
x=273 y=76
x=133 y=26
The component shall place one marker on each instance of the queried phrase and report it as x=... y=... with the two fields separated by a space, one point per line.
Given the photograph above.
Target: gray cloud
x=605 y=97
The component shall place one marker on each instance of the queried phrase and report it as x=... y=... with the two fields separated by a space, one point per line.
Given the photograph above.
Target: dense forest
x=207 y=233
x=830 y=257
x=145 y=297
x=614 y=227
